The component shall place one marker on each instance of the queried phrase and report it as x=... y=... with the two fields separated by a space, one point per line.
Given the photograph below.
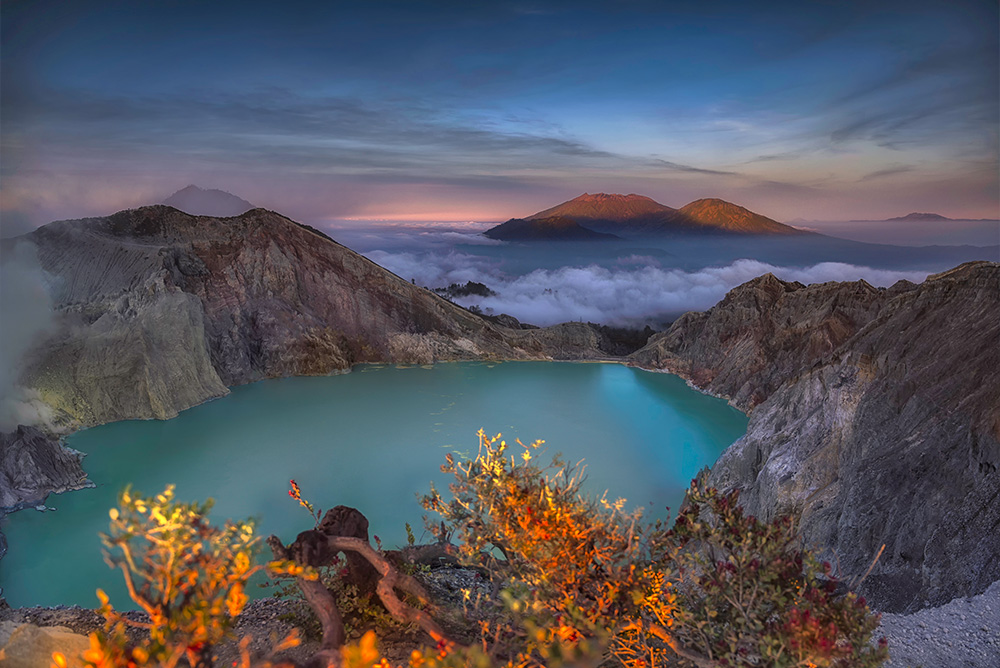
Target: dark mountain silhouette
x=920 y=216
x=200 y=202
x=554 y=228
x=635 y=215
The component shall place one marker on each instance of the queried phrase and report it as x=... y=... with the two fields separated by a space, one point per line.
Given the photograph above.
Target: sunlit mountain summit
x=607 y=216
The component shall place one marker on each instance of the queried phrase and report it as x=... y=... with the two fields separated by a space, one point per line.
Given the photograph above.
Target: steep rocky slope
x=161 y=310
x=32 y=466
x=876 y=412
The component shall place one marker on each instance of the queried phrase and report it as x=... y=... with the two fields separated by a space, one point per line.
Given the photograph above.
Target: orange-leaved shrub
x=585 y=582
x=719 y=589
x=188 y=576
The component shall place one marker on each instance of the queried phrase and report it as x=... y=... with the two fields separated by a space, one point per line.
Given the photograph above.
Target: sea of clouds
x=635 y=293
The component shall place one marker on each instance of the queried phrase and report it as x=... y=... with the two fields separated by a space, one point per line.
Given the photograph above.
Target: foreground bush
x=719 y=589
x=584 y=583
x=188 y=576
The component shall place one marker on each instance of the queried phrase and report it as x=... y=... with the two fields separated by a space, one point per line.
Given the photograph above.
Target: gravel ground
x=964 y=633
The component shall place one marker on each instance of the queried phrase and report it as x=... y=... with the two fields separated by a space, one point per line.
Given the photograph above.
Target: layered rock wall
x=875 y=413
x=160 y=310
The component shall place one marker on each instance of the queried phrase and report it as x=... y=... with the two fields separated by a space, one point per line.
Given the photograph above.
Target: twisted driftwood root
x=345 y=530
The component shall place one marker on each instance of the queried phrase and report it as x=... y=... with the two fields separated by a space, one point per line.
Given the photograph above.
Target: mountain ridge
x=637 y=215
x=178 y=308
x=207 y=202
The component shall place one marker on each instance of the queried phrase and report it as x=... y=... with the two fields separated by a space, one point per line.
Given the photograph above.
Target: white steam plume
x=26 y=315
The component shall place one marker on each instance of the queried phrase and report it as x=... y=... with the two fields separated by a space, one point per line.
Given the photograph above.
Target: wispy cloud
x=677 y=167
x=282 y=128
x=889 y=171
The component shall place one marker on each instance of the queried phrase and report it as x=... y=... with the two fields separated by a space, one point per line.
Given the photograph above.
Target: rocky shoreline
x=32 y=466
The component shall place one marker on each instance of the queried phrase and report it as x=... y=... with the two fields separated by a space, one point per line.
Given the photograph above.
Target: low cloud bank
x=409 y=237
x=625 y=296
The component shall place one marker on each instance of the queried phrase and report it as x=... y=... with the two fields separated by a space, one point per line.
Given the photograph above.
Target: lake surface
x=373 y=439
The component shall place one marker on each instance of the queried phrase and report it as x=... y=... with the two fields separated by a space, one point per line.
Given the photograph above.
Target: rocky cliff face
x=32 y=466
x=161 y=310
x=876 y=413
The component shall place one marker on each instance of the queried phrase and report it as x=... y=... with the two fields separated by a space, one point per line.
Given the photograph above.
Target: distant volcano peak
x=710 y=205
x=732 y=217
x=605 y=206
x=918 y=215
x=612 y=197
x=634 y=215
x=201 y=202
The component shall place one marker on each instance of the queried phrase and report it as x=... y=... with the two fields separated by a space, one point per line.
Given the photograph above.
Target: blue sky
x=461 y=111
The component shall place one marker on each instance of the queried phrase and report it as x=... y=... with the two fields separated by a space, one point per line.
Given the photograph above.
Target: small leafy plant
x=188 y=576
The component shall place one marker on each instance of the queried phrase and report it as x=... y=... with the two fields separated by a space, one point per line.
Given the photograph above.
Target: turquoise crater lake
x=373 y=439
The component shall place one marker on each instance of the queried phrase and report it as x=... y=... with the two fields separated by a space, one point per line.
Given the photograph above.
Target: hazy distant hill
x=635 y=215
x=555 y=228
x=920 y=216
x=200 y=202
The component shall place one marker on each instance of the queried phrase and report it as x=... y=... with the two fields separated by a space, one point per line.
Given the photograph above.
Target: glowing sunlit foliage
x=720 y=589
x=296 y=493
x=584 y=582
x=579 y=554
x=187 y=575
